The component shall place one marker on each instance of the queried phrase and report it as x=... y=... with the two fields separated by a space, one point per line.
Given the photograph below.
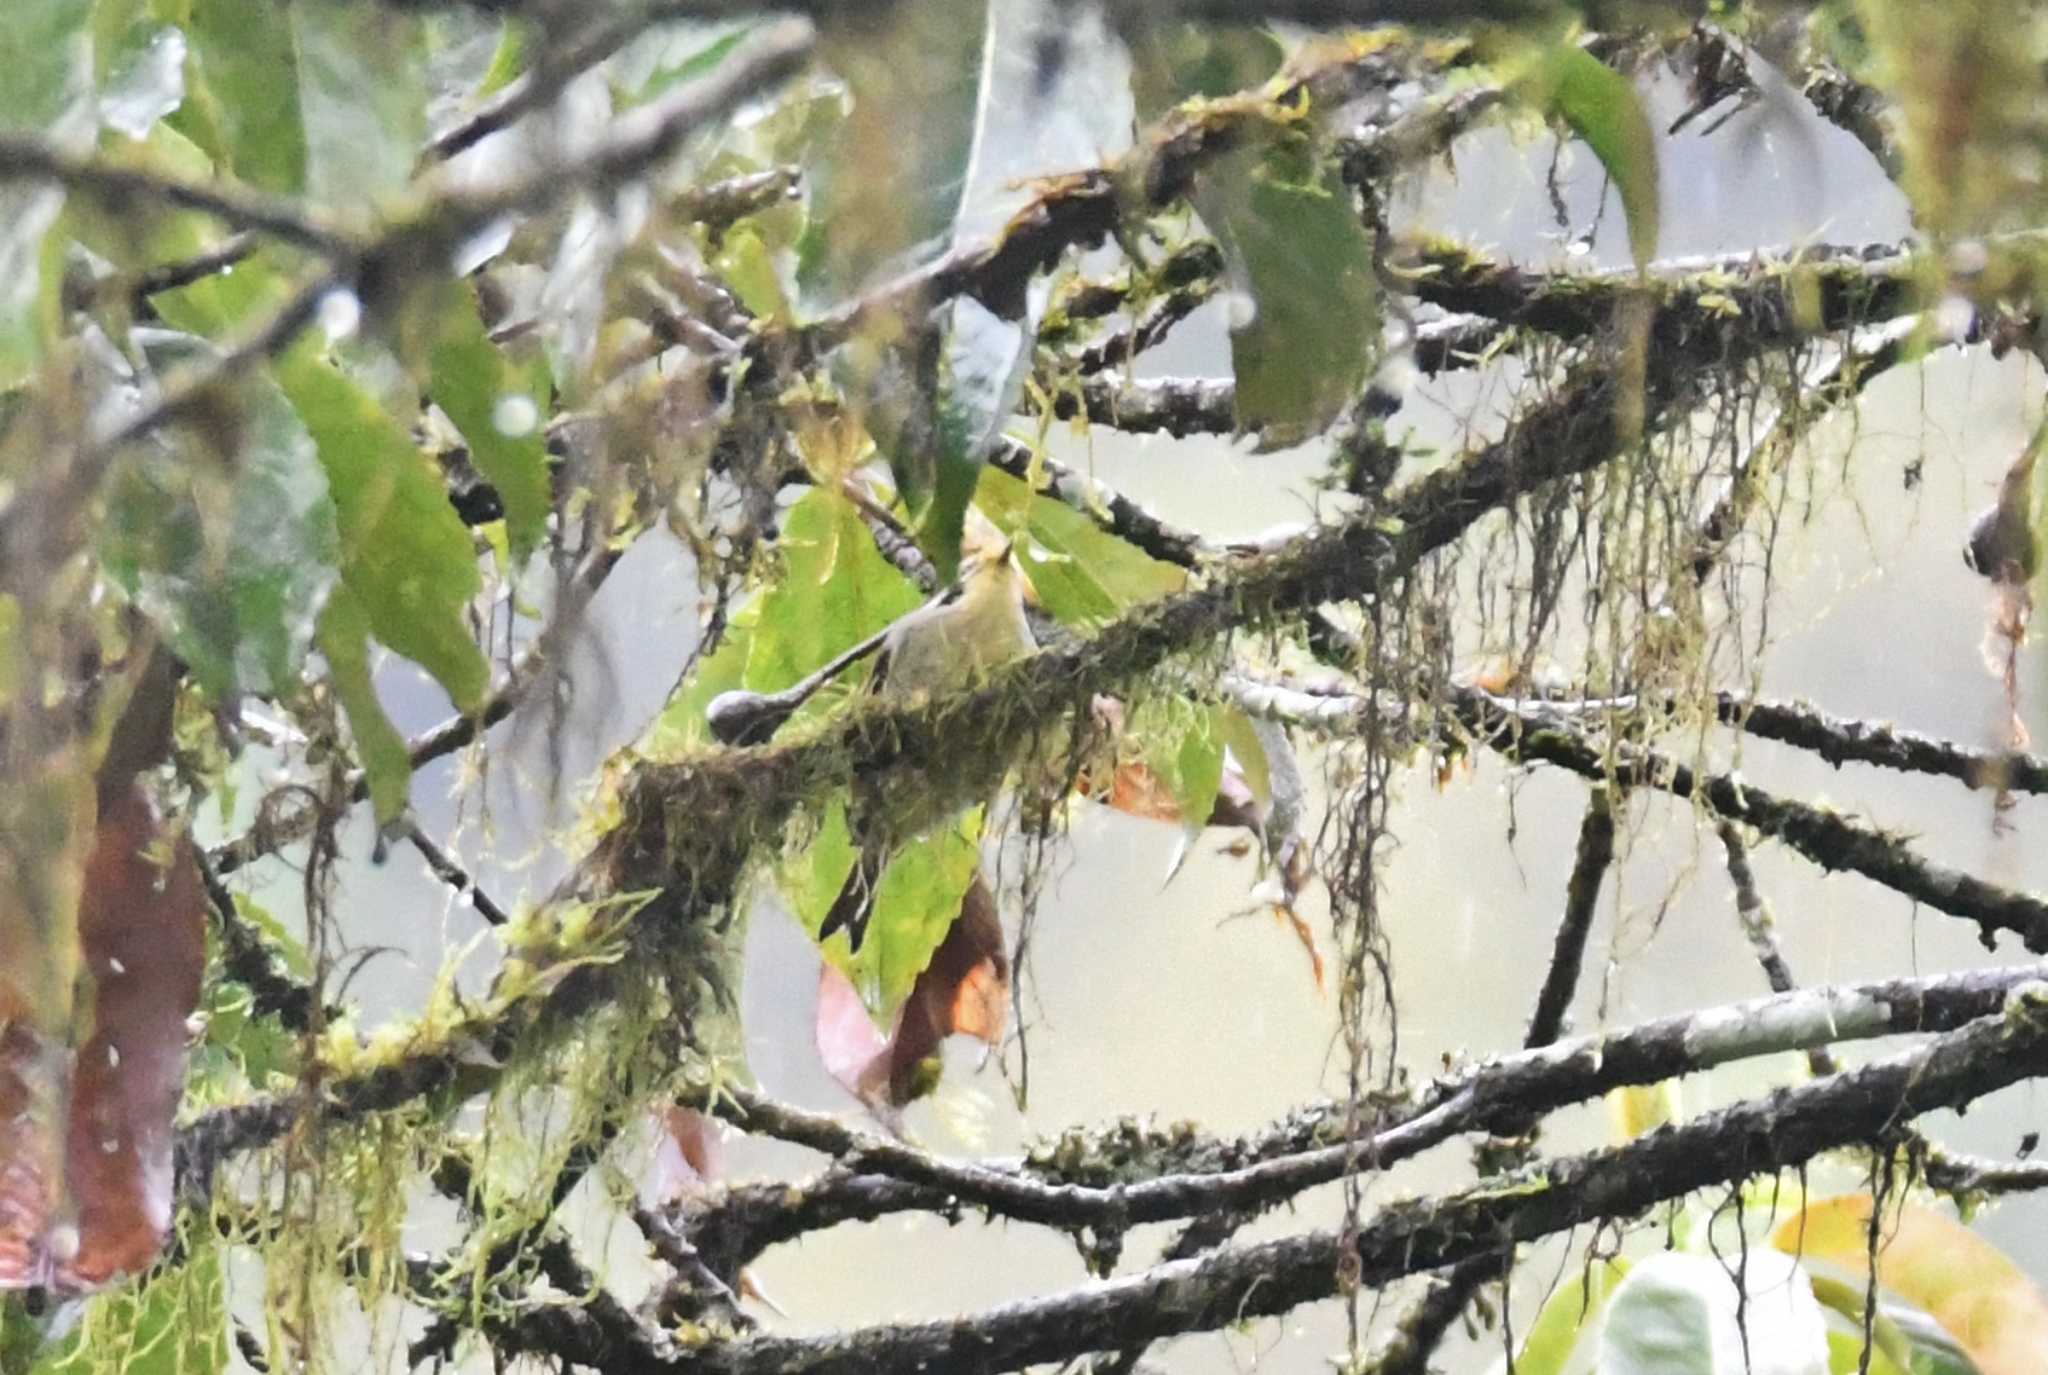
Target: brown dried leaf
x=73 y=1221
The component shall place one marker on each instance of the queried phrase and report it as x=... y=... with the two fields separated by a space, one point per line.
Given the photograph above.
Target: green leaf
x=508 y=59
x=700 y=62
x=223 y=305
x=1176 y=61
x=1185 y=752
x=1602 y=107
x=1845 y=1357
x=1847 y=1300
x=31 y=278
x=344 y=639
x=233 y=569
x=1681 y=1314
x=836 y=590
x=362 y=101
x=45 y=86
x=324 y=99
x=1573 y=1309
x=885 y=197
x=493 y=403
x=981 y=376
x=1081 y=574
x=915 y=903
x=1305 y=332
x=46 y=56
x=746 y=264
x=21 y=1337
x=1301 y=252
x=405 y=555
x=243 y=80
x=1241 y=736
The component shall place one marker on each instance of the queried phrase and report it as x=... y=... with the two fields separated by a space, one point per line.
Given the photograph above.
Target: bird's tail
x=856 y=900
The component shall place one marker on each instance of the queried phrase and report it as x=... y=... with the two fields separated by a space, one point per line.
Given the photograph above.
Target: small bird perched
x=940 y=647
x=2002 y=545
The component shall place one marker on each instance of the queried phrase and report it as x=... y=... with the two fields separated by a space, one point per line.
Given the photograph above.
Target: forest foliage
x=344 y=332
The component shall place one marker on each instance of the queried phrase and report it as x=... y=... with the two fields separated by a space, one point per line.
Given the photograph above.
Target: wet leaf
x=1305 y=311
x=1301 y=259
x=145 y=78
x=85 y=1138
x=46 y=53
x=141 y=923
x=981 y=377
x=362 y=99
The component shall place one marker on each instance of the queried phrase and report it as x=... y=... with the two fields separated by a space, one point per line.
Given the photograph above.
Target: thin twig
x=454 y=875
x=28 y=157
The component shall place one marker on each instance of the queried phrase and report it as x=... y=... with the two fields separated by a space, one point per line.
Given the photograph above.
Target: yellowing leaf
x=1636 y=1109
x=1974 y=1290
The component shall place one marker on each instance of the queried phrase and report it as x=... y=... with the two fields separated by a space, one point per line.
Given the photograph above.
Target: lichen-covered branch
x=874 y=1177
x=1785 y=1129
x=1823 y=836
x=1846 y=740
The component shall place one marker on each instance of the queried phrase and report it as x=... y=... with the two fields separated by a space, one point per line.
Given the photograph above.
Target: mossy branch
x=1782 y=1130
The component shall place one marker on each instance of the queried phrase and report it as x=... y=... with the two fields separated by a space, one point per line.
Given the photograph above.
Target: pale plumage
x=938 y=648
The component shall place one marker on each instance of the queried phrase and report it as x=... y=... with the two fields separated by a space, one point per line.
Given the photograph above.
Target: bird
x=940 y=647
x=2002 y=544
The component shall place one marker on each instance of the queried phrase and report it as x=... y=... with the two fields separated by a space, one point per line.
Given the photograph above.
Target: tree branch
x=26 y=157
x=1785 y=1129
x=877 y=1176
x=1525 y=732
